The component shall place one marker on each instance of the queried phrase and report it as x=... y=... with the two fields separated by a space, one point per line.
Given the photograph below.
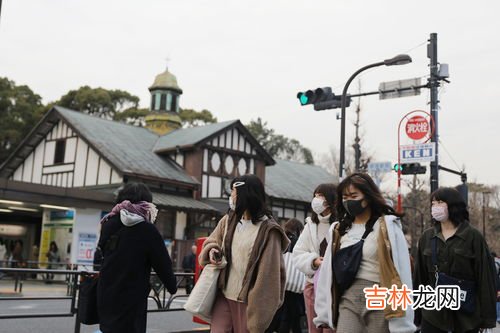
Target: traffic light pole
x=342 y=120
x=399 y=208
x=434 y=84
x=324 y=99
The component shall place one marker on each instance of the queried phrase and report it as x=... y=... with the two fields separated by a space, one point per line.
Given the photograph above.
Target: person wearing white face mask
x=457 y=254
x=251 y=284
x=311 y=245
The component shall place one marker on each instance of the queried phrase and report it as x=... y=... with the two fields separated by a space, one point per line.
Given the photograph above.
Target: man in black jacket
x=129 y=246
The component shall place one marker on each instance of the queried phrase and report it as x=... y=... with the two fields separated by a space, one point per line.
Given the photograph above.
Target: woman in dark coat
x=129 y=246
x=455 y=248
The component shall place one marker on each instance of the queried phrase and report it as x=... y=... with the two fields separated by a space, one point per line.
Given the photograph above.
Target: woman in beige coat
x=252 y=285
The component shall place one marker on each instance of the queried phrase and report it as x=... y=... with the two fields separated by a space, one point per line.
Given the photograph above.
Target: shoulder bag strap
x=365 y=234
x=434 y=258
x=434 y=252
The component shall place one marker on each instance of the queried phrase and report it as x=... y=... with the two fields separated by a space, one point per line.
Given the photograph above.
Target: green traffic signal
x=321 y=98
x=410 y=168
x=303 y=99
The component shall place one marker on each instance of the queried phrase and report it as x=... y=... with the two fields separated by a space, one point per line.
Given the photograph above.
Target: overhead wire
x=441 y=145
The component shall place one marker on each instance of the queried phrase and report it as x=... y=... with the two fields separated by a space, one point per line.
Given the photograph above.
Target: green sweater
x=465 y=255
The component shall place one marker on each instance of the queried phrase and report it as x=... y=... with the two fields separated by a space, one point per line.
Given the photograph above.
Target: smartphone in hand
x=217 y=256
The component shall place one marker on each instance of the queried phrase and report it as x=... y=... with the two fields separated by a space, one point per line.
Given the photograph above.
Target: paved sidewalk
x=32 y=288
x=159 y=322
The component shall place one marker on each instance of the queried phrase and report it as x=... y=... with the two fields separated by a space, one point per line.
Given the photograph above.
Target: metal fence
x=159 y=294
x=20 y=278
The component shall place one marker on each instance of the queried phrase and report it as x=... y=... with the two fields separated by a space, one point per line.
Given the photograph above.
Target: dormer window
x=60 y=150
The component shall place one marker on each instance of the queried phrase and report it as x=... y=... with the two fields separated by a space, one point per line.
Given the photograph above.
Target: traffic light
x=322 y=99
x=410 y=168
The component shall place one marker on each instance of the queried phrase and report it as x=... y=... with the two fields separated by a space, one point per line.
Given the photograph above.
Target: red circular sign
x=417 y=127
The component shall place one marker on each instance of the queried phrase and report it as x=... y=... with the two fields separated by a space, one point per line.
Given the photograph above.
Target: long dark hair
x=372 y=195
x=53 y=244
x=250 y=197
x=328 y=190
x=457 y=208
x=293 y=228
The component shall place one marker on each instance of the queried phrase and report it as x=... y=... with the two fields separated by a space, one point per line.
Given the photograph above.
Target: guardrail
x=159 y=294
x=19 y=278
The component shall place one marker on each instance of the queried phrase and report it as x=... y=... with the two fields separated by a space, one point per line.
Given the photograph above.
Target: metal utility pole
x=434 y=84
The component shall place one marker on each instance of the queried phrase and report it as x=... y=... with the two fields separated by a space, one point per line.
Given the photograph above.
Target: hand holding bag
x=87 y=299
x=202 y=297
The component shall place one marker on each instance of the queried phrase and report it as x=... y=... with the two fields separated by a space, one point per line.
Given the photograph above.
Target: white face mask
x=232 y=205
x=440 y=212
x=317 y=205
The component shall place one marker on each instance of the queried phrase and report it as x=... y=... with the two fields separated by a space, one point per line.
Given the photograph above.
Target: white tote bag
x=202 y=297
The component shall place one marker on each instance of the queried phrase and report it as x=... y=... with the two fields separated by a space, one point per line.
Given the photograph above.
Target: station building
x=65 y=175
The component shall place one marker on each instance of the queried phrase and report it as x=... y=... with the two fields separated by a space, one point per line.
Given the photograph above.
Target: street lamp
x=401 y=59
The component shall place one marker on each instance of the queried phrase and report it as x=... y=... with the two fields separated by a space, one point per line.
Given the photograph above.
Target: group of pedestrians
x=270 y=274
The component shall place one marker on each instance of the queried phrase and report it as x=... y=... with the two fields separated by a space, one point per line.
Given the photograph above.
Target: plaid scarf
x=146 y=210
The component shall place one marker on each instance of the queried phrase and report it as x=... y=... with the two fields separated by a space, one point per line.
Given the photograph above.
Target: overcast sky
x=248 y=59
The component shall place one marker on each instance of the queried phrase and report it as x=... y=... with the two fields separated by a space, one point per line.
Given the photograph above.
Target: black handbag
x=87 y=298
x=346 y=263
x=467 y=288
x=87 y=292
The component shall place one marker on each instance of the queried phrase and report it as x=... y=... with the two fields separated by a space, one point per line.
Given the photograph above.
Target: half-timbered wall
x=286 y=210
x=227 y=156
x=80 y=166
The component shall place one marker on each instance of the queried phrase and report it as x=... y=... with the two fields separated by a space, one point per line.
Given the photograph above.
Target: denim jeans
x=498 y=312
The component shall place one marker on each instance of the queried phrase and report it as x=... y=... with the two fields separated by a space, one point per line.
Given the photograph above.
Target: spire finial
x=167 y=61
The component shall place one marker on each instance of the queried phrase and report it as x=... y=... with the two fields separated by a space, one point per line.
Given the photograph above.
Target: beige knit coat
x=263 y=287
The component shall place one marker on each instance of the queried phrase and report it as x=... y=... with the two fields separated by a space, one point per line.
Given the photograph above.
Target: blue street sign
x=379 y=167
x=424 y=152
